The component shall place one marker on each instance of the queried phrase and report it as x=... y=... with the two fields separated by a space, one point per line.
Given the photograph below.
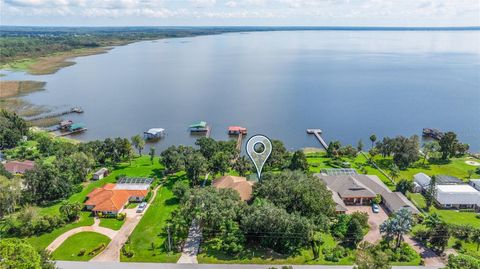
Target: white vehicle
x=141 y=207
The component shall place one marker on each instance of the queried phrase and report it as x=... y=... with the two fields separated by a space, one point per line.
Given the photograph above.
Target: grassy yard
x=111 y=223
x=257 y=255
x=151 y=227
x=70 y=249
x=449 y=216
x=141 y=167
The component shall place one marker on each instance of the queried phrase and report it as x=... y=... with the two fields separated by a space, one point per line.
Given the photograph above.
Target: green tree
x=279 y=158
x=333 y=149
x=396 y=226
x=70 y=211
x=208 y=147
x=394 y=171
x=475 y=237
x=462 y=261
x=429 y=148
x=10 y=195
x=195 y=166
x=368 y=257
x=138 y=143
x=297 y=193
x=355 y=232
x=432 y=220
x=373 y=138
x=448 y=145
x=4 y=172
x=439 y=236
x=230 y=239
x=44 y=184
x=220 y=163
x=17 y=254
x=152 y=154
x=173 y=159
x=404 y=186
x=316 y=241
x=299 y=161
x=12 y=129
x=360 y=145
x=242 y=165
x=431 y=193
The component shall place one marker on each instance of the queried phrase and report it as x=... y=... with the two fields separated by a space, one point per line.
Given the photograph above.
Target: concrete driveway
x=374 y=220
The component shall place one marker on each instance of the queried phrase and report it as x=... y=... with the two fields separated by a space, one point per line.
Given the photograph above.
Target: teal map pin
x=258 y=149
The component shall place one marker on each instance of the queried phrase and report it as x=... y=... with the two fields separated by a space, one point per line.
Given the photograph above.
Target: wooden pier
x=72 y=132
x=209 y=130
x=57 y=114
x=318 y=135
x=239 y=141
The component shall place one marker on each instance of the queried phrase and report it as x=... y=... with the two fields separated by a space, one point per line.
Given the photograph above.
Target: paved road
x=118 y=265
x=112 y=251
x=192 y=244
x=94 y=228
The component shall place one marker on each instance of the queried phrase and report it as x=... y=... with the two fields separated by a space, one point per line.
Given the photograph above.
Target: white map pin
x=258 y=149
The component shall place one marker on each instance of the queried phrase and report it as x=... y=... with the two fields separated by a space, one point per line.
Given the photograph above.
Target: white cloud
x=295 y=12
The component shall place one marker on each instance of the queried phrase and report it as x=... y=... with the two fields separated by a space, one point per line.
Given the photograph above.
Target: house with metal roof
x=475 y=183
x=154 y=133
x=198 y=127
x=101 y=173
x=459 y=196
x=361 y=190
x=19 y=167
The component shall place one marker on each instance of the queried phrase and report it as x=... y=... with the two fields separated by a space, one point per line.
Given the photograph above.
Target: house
x=198 y=127
x=240 y=184
x=421 y=182
x=19 y=167
x=154 y=133
x=475 y=183
x=110 y=200
x=351 y=190
x=101 y=173
x=457 y=196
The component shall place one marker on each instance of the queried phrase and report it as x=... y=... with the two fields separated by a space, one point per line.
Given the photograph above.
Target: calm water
x=350 y=84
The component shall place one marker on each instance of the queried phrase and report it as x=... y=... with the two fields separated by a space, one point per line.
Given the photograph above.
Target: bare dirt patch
x=12 y=88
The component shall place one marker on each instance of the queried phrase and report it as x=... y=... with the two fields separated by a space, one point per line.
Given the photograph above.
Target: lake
x=350 y=84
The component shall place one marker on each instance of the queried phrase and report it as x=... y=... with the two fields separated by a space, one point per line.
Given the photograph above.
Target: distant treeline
x=19 y=42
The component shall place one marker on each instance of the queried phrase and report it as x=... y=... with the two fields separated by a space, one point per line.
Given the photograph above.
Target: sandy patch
x=474 y=163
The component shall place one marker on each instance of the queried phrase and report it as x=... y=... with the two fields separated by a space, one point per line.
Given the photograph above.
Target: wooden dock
x=209 y=130
x=318 y=135
x=239 y=141
x=57 y=114
x=72 y=132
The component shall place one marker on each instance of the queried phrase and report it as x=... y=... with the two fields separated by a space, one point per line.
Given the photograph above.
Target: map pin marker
x=259 y=148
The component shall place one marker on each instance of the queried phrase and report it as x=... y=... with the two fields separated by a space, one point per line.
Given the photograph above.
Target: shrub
x=82 y=252
x=121 y=216
x=97 y=250
x=361 y=217
x=457 y=245
x=421 y=235
x=334 y=254
x=126 y=251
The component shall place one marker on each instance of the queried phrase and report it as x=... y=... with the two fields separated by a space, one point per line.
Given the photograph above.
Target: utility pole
x=169 y=239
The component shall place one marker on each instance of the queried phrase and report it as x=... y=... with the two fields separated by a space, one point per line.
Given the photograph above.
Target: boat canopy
x=155 y=131
x=201 y=124
x=76 y=126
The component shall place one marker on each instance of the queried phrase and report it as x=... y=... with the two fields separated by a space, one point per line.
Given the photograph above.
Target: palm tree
x=138 y=143
x=373 y=138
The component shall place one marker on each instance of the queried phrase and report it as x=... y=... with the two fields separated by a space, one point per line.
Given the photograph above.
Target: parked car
x=375 y=208
x=141 y=207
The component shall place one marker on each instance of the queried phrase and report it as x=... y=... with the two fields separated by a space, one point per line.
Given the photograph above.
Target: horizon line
x=249 y=26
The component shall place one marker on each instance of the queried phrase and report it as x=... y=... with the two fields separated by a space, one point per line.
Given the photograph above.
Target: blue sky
x=241 y=12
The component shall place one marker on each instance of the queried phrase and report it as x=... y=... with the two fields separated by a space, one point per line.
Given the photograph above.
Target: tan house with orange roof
x=240 y=184
x=111 y=200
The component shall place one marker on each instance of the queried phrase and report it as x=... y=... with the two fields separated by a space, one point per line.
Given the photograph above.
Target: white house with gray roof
x=361 y=190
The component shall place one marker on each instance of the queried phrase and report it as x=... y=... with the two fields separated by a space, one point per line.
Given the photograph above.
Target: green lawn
x=70 y=249
x=111 y=223
x=141 y=167
x=151 y=227
x=468 y=248
x=449 y=216
x=257 y=255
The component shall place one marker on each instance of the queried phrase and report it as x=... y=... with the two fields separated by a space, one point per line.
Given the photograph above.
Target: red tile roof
x=18 y=167
x=108 y=198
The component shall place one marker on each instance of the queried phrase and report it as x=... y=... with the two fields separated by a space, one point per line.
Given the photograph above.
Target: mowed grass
x=70 y=249
x=111 y=223
x=257 y=255
x=449 y=216
x=151 y=228
x=139 y=167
